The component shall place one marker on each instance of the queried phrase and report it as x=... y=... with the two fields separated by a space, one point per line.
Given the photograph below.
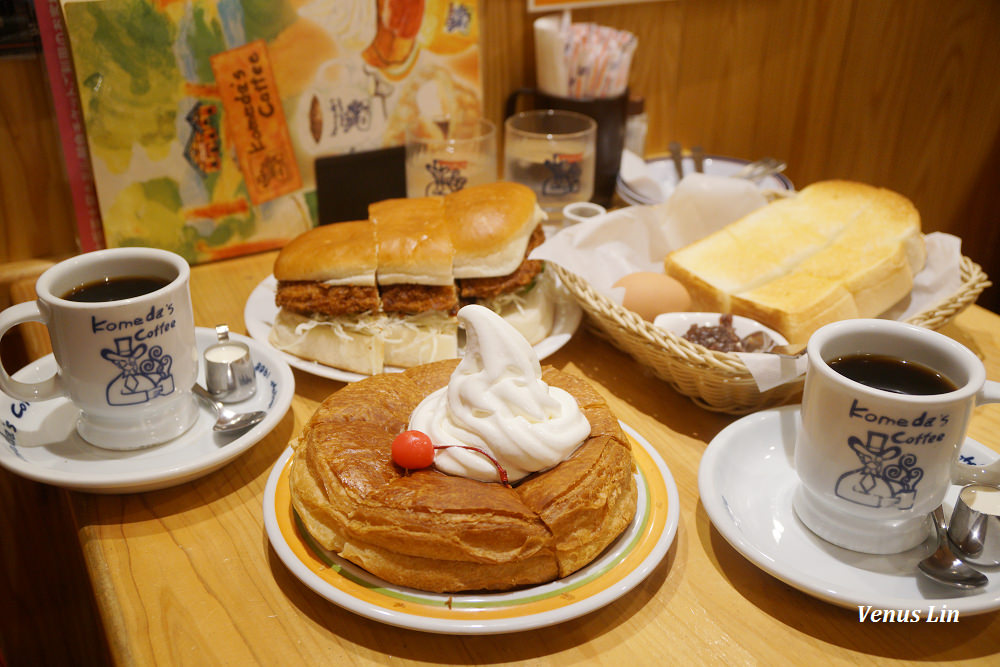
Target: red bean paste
x=723 y=337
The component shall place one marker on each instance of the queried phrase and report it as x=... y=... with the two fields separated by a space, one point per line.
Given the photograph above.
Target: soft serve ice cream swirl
x=496 y=401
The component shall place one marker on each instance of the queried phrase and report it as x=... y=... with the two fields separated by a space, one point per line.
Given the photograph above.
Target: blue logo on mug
x=876 y=484
x=145 y=373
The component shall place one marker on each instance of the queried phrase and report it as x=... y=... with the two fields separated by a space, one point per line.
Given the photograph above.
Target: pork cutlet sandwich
x=329 y=305
x=364 y=294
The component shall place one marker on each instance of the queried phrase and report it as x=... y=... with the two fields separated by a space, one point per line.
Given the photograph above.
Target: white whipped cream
x=496 y=401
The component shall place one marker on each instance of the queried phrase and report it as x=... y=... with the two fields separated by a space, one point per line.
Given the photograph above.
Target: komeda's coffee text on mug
x=140 y=325
x=923 y=420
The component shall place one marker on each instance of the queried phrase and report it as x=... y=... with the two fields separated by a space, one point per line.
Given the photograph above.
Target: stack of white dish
x=657 y=180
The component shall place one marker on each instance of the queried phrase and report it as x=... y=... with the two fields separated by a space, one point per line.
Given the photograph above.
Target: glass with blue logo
x=553 y=152
x=445 y=154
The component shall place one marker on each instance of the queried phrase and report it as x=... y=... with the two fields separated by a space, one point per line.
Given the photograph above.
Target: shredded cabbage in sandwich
x=431 y=319
x=367 y=323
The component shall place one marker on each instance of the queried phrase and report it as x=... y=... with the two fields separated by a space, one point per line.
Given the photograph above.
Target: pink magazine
x=76 y=155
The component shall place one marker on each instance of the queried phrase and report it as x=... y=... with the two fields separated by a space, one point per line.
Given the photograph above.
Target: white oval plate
x=662 y=170
x=39 y=440
x=260 y=311
x=746 y=481
x=619 y=569
x=679 y=323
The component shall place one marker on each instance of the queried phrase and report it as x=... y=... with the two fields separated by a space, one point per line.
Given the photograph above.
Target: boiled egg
x=648 y=294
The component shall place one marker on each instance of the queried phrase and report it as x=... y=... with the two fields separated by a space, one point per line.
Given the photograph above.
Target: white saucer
x=260 y=311
x=746 y=481
x=39 y=440
x=619 y=569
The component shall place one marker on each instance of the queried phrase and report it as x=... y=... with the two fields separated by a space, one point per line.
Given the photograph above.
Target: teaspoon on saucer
x=227 y=420
x=944 y=566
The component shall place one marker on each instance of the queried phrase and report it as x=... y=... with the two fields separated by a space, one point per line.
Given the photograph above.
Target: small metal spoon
x=228 y=421
x=944 y=566
x=790 y=351
x=758 y=341
x=756 y=171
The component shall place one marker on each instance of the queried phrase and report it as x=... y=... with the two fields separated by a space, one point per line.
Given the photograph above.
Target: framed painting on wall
x=205 y=118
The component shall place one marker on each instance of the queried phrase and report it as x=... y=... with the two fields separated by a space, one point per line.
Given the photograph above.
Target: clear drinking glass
x=553 y=152
x=445 y=155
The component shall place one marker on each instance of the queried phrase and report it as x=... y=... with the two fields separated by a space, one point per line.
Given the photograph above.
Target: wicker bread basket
x=719 y=381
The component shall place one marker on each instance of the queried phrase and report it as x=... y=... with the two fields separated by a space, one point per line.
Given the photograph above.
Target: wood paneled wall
x=898 y=93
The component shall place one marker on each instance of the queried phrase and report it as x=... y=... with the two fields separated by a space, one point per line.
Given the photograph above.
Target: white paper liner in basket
x=591 y=256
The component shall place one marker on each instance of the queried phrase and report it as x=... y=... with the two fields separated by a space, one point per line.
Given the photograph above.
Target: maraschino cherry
x=413 y=450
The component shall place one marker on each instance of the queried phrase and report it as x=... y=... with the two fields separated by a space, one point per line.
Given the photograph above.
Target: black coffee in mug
x=888 y=373
x=115 y=288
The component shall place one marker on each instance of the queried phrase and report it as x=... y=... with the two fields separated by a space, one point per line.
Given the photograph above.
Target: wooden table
x=187 y=576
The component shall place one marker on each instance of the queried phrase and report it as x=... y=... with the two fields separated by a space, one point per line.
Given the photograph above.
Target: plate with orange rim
x=619 y=569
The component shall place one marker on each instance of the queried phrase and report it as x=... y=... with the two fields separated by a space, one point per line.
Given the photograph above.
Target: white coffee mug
x=873 y=463
x=128 y=364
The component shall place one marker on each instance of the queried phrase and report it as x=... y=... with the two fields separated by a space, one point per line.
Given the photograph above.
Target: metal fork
x=698 y=155
x=677 y=155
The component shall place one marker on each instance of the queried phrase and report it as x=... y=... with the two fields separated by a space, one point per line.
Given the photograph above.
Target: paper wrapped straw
x=598 y=59
x=581 y=60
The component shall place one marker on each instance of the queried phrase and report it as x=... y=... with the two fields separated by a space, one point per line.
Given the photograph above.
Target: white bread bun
x=836 y=250
x=347 y=342
x=490 y=226
x=413 y=246
x=341 y=253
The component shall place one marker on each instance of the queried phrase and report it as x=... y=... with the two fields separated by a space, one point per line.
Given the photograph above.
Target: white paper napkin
x=770 y=371
x=703 y=203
